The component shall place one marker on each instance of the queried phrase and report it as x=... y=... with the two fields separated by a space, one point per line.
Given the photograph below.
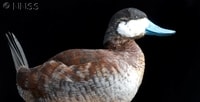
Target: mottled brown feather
x=76 y=66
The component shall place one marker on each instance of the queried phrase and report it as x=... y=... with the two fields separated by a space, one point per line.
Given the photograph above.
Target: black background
x=172 y=63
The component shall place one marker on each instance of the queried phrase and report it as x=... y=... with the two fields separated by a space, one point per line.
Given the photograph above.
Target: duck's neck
x=121 y=44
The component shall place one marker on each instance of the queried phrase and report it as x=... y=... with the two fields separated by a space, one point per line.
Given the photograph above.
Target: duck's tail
x=17 y=52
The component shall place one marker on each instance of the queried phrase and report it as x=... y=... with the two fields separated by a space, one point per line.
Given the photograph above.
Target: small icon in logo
x=6 y=5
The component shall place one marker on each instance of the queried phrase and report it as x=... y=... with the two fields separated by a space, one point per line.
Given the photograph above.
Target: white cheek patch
x=133 y=27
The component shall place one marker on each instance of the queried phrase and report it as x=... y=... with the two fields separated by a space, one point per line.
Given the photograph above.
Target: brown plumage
x=113 y=74
x=85 y=76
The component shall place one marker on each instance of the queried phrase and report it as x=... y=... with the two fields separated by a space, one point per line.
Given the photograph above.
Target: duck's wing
x=55 y=79
x=82 y=64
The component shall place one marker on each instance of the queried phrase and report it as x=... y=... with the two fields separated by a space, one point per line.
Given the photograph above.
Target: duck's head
x=133 y=23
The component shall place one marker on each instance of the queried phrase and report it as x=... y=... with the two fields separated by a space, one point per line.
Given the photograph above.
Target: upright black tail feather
x=17 y=52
